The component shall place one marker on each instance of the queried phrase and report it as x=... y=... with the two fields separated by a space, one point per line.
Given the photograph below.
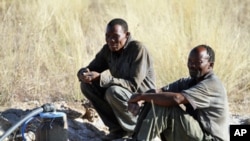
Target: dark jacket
x=132 y=68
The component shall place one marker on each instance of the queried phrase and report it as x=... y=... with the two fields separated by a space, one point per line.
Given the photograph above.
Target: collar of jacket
x=129 y=39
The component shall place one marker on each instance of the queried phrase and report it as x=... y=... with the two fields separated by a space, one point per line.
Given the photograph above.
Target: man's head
x=200 y=61
x=117 y=34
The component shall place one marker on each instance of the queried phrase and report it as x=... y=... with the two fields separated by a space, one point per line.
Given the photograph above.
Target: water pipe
x=44 y=108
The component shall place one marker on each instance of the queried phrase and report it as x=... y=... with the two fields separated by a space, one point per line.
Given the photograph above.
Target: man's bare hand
x=135 y=104
x=88 y=76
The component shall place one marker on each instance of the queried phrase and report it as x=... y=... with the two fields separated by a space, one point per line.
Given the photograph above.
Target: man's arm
x=166 y=99
x=138 y=70
x=95 y=67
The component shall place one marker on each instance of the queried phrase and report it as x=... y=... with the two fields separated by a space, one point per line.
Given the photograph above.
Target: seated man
x=204 y=112
x=131 y=70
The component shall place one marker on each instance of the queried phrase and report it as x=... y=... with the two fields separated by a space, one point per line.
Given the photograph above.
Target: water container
x=53 y=127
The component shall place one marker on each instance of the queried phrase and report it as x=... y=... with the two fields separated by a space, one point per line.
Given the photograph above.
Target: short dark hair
x=119 y=21
x=210 y=52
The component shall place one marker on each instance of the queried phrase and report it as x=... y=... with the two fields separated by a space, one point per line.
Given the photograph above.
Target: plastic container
x=53 y=127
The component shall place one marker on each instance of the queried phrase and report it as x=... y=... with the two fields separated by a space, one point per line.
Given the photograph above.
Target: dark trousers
x=111 y=105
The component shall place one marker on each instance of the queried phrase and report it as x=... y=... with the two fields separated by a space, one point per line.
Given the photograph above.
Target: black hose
x=45 y=108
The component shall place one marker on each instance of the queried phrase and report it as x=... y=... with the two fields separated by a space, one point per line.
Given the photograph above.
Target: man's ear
x=127 y=34
x=211 y=65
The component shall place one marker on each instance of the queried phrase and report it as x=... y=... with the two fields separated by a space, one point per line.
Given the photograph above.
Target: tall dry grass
x=43 y=43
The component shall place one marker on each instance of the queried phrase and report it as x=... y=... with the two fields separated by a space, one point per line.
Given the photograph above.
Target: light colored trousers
x=111 y=105
x=171 y=122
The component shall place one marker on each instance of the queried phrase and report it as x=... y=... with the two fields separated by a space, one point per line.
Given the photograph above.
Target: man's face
x=198 y=63
x=116 y=37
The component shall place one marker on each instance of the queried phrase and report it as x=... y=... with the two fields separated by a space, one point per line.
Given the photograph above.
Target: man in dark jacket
x=204 y=116
x=131 y=71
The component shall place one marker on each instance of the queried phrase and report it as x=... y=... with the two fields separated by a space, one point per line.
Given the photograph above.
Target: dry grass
x=45 y=42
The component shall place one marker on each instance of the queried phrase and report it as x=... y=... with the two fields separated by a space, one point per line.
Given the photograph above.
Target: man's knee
x=116 y=92
x=112 y=92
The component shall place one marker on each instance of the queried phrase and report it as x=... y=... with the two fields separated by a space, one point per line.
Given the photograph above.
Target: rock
x=239 y=119
x=91 y=114
x=4 y=125
x=246 y=121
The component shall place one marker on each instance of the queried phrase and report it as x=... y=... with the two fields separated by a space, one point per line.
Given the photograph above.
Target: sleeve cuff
x=105 y=80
